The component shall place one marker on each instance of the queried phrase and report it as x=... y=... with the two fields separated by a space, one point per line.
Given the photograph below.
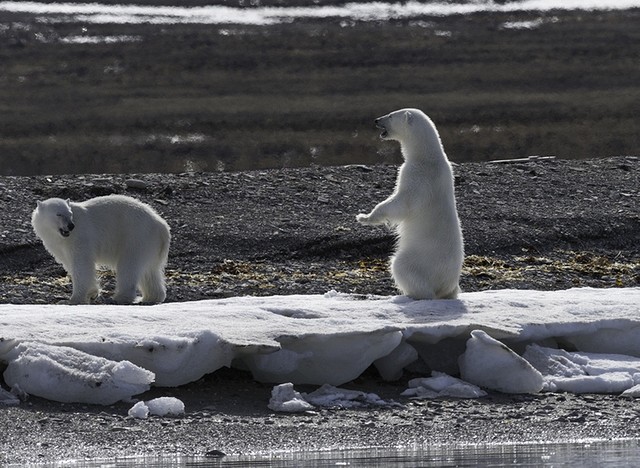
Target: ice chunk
x=442 y=385
x=328 y=395
x=612 y=382
x=390 y=366
x=175 y=360
x=67 y=375
x=166 y=406
x=555 y=362
x=286 y=399
x=579 y=372
x=162 y=406
x=633 y=392
x=320 y=358
x=606 y=339
x=490 y=364
x=139 y=411
x=8 y=398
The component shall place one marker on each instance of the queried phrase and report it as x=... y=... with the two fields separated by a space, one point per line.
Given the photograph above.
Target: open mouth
x=383 y=133
x=64 y=232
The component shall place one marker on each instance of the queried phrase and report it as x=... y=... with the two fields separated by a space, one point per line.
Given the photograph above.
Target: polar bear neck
x=423 y=145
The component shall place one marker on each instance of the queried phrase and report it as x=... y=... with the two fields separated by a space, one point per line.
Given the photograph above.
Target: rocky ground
x=537 y=223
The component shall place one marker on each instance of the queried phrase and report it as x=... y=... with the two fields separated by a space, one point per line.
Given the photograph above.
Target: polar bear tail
x=152 y=284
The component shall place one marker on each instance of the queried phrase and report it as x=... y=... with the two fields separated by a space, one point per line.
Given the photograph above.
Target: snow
x=98 y=13
x=506 y=340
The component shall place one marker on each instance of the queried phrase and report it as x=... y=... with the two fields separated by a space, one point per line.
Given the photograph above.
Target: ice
x=139 y=411
x=332 y=359
x=164 y=406
x=102 y=354
x=330 y=396
x=442 y=385
x=633 y=392
x=490 y=364
x=585 y=372
x=64 y=374
x=285 y=398
x=390 y=366
x=8 y=398
x=161 y=406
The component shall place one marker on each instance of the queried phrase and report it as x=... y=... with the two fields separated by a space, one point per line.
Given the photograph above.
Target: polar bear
x=115 y=231
x=429 y=250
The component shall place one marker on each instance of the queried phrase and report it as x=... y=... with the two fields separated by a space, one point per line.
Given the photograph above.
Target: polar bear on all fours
x=429 y=251
x=114 y=231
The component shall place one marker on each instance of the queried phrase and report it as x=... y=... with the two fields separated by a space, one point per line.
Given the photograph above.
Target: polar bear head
x=398 y=124
x=415 y=132
x=54 y=214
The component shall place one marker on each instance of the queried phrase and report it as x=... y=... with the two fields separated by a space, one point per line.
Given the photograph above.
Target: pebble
x=136 y=184
x=214 y=454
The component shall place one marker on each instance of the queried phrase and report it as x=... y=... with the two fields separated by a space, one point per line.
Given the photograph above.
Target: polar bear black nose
x=70 y=226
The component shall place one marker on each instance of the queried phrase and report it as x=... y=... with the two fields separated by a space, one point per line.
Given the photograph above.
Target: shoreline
x=546 y=224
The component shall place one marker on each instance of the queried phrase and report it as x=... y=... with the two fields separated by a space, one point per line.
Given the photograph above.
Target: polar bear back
x=116 y=227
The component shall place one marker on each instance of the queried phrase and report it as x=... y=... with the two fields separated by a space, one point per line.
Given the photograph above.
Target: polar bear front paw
x=362 y=218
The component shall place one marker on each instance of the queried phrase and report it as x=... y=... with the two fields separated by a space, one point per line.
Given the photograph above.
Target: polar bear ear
x=68 y=201
x=38 y=203
x=408 y=117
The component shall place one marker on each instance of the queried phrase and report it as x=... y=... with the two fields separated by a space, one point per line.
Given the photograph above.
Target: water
x=215 y=14
x=621 y=453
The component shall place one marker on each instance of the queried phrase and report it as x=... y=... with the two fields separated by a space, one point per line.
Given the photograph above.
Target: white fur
x=115 y=231
x=429 y=252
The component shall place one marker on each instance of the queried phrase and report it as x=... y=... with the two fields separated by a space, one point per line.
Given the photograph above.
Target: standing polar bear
x=115 y=231
x=430 y=252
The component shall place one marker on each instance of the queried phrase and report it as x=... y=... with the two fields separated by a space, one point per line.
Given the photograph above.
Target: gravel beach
x=529 y=224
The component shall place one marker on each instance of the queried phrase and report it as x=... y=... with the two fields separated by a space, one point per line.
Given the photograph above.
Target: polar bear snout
x=65 y=224
x=66 y=230
x=380 y=124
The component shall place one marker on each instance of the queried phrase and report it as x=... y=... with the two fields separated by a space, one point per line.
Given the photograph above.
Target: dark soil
x=543 y=224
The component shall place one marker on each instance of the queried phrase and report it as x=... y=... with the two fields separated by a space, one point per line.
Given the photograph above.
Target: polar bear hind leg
x=410 y=278
x=419 y=281
x=152 y=286
x=128 y=275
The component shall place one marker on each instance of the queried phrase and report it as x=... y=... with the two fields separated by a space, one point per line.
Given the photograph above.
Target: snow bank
x=101 y=354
